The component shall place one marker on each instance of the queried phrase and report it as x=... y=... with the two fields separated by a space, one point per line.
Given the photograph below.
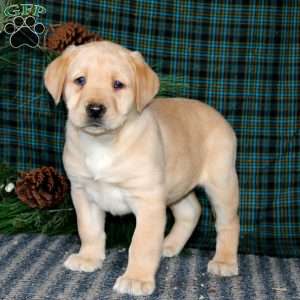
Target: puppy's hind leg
x=186 y=212
x=224 y=197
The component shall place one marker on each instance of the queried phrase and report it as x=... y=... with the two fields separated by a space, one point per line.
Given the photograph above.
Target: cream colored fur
x=149 y=153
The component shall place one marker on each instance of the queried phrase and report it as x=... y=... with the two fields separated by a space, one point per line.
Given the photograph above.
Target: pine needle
x=171 y=86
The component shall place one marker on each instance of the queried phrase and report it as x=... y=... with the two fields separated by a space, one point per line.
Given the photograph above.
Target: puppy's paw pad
x=77 y=262
x=170 y=250
x=136 y=287
x=222 y=268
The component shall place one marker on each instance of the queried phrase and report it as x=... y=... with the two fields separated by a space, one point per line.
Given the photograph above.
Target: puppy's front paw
x=133 y=286
x=222 y=268
x=78 y=262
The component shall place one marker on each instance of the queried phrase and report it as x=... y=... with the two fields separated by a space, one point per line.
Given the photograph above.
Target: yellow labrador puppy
x=127 y=152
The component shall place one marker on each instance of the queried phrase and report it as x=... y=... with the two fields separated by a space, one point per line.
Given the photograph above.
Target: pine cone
x=42 y=188
x=61 y=36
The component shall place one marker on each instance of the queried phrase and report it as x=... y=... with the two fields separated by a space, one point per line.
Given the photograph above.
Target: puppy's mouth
x=100 y=127
x=93 y=124
x=93 y=128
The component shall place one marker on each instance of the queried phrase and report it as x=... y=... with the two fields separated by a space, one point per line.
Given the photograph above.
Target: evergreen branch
x=7 y=60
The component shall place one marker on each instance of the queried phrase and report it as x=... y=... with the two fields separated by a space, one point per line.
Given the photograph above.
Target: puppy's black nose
x=95 y=111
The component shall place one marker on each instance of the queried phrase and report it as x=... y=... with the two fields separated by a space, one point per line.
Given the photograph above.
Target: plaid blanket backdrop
x=241 y=57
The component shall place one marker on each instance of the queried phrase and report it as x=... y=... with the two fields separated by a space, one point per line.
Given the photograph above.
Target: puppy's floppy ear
x=55 y=74
x=147 y=82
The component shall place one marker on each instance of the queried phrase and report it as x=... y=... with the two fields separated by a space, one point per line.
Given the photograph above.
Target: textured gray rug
x=31 y=267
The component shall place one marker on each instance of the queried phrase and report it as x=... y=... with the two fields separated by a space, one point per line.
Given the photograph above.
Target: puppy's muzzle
x=95 y=112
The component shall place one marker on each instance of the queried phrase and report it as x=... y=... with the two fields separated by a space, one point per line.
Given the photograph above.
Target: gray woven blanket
x=31 y=267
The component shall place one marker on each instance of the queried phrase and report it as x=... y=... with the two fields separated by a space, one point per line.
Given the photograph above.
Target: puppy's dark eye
x=118 y=85
x=81 y=81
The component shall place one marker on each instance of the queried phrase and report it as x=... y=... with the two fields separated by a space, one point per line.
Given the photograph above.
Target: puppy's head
x=102 y=84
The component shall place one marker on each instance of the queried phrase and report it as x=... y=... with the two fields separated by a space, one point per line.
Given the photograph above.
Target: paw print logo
x=24 y=32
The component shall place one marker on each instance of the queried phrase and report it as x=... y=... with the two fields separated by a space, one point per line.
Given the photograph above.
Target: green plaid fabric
x=242 y=57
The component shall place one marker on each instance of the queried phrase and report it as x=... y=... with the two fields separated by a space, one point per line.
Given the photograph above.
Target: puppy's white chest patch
x=98 y=162
x=109 y=197
x=98 y=158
